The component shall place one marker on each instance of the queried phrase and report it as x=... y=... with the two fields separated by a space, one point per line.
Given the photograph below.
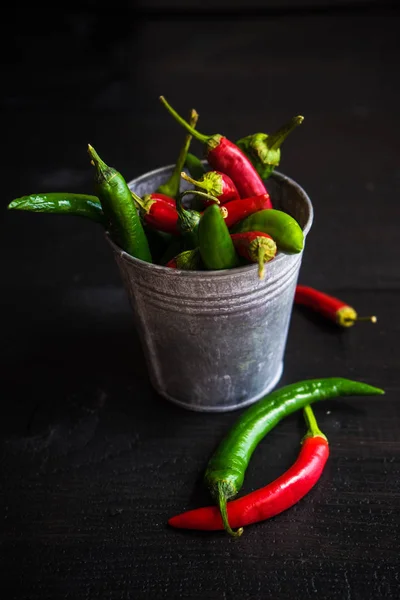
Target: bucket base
x=212 y=408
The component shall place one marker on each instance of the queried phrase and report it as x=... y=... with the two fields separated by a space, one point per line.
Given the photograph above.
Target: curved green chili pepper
x=263 y=149
x=194 y=166
x=226 y=469
x=215 y=243
x=116 y=199
x=284 y=230
x=60 y=203
x=172 y=186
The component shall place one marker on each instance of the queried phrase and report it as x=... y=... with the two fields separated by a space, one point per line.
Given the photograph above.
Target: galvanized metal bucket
x=215 y=340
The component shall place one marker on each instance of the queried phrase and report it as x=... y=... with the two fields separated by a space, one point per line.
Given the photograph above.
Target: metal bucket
x=215 y=340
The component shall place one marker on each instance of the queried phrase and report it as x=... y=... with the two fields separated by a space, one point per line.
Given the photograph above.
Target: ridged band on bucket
x=215 y=340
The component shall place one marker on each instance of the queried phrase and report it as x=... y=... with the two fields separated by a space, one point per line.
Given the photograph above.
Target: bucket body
x=215 y=340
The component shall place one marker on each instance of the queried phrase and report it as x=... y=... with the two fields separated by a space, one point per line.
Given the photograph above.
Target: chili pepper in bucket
x=194 y=166
x=189 y=260
x=263 y=150
x=226 y=469
x=188 y=223
x=272 y=499
x=159 y=214
x=238 y=210
x=115 y=196
x=216 y=247
x=217 y=184
x=328 y=306
x=255 y=246
x=172 y=186
x=61 y=203
x=285 y=230
x=223 y=155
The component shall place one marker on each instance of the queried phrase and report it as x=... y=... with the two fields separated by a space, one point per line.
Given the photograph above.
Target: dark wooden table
x=93 y=462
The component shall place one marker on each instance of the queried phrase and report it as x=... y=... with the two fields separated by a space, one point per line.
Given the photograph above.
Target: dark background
x=93 y=462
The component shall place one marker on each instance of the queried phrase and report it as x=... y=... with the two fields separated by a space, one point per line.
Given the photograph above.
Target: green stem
x=276 y=139
x=144 y=203
x=171 y=187
x=224 y=512
x=185 y=124
x=312 y=426
x=202 y=194
x=199 y=184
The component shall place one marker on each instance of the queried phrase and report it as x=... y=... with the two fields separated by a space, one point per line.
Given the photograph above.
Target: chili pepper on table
x=61 y=203
x=272 y=499
x=217 y=184
x=172 y=186
x=285 y=230
x=116 y=200
x=194 y=166
x=256 y=246
x=189 y=260
x=237 y=210
x=223 y=155
x=216 y=247
x=227 y=467
x=158 y=213
x=330 y=307
x=263 y=149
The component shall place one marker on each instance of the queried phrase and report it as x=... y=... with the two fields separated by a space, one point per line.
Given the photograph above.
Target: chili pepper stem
x=372 y=319
x=202 y=194
x=224 y=512
x=144 y=203
x=171 y=187
x=347 y=317
x=261 y=262
x=198 y=136
x=275 y=140
x=312 y=426
x=199 y=184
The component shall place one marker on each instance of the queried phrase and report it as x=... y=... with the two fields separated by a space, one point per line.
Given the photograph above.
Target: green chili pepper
x=194 y=166
x=59 y=203
x=188 y=223
x=226 y=469
x=285 y=230
x=172 y=187
x=116 y=199
x=189 y=260
x=263 y=149
x=215 y=243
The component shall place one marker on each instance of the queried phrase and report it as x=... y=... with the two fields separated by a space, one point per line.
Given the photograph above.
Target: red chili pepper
x=217 y=184
x=330 y=307
x=239 y=209
x=159 y=212
x=162 y=197
x=224 y=156
x=256 y=246
x=272 y=499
